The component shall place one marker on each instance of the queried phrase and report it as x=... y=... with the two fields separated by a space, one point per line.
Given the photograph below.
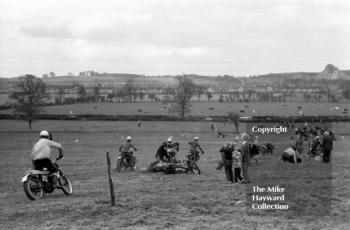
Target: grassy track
x=157 y=201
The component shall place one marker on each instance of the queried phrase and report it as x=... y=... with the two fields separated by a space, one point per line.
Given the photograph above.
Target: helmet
x=196 y=138
x=317 y=137
x=170 y=139
x=326 y=133
x=128 y=138
x=44 y=133
x=245 y=137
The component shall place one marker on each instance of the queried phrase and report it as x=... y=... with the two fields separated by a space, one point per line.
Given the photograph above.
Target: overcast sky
x=154 y=37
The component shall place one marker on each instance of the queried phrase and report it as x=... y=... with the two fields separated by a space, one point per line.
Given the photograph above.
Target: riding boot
x=55 y=181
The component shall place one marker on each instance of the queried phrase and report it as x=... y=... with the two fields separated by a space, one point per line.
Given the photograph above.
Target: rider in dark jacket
x=162 y=154
x=226 y=155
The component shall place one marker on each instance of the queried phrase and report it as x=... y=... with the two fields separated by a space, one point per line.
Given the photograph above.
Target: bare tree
x=346 y=94
x=82 y=93
x=30 y=97
x=234 y=118
x=152 y=96
x=96 y=93
x=130 y=89
x=199 y=90
x=209 y=95
x=182 y=95
x=61 y=92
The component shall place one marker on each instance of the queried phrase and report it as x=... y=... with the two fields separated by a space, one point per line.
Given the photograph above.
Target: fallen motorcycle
x=185 y=166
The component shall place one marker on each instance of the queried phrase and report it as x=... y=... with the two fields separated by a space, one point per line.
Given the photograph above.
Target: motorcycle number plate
x=24 y=178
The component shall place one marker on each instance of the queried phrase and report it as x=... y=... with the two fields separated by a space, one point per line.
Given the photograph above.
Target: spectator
x=327 y=146
x=226 y=155
x=237 y=165
x=315 y=145
x=299 y=144
x=254 y=149
x=245 y=149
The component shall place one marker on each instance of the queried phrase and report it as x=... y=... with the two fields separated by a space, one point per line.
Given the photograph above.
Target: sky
x=157 y=37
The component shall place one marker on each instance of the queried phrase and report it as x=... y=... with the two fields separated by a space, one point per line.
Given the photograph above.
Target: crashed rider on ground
x=162 y=154
x=41 y=155
x=124 y=149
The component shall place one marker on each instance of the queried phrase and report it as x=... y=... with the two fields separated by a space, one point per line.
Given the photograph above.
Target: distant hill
x=331 y=72
x=115 y=80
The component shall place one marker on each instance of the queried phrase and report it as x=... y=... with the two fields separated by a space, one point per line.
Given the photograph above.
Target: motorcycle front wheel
x=65 y=184
x=194 y=168
x=133 y=163
x=121 y=165
x=34 y=189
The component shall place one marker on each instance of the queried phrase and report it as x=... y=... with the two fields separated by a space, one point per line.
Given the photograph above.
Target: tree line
x=31 y=95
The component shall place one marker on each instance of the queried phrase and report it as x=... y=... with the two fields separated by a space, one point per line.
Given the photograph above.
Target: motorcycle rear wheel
x=66 y=185
x=34 y=189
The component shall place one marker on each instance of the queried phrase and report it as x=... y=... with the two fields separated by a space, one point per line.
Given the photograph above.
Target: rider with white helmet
x=124 y=148
x=41 y=155
x=194 y=146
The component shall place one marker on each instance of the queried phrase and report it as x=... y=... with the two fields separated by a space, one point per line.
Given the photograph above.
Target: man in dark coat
x=226 y=155
x=327 y=146
x=245 y=150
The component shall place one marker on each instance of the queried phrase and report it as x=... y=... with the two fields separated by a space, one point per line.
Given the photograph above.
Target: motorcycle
x=186 y=166
x=193 y=156
x=37 y=183
x=266 y=149
x=126 y=161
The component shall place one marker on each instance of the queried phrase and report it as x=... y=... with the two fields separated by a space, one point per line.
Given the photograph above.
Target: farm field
x=158 y=201
x=199 y=108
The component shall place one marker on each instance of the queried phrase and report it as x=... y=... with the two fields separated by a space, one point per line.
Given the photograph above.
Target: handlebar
x=57 y=159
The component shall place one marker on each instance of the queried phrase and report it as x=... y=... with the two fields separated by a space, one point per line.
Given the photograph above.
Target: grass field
x=199 y=109
x=158 y=201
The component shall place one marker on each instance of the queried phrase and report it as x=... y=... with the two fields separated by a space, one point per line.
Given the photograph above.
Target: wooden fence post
x=111 y=187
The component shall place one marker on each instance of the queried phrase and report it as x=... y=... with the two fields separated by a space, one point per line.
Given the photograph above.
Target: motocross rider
x=41 y=155
x=162 y=154
x=125 y=148
x=194 y=145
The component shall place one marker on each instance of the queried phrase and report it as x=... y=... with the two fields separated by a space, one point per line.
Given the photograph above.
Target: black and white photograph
x=174 y=114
